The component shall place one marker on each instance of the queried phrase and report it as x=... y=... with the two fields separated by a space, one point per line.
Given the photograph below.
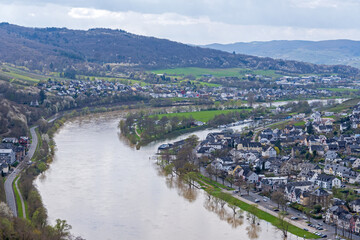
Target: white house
x=355 y=205
x=269 y=152
x=7 y=155
x=327 y=182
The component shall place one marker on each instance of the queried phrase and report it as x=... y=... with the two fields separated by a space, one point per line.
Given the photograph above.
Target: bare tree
x=283 y=225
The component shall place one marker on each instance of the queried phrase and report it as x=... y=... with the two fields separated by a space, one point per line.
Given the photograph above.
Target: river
x=108 y=190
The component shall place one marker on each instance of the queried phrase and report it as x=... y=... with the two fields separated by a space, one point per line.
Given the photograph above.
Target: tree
x=310 y=129
x=190 y=178
x=253 y=211
x=233 y=207
x=251 y=99
x=42 y=96
x=210 y=170
x=62 y=228
x=278 y=197
x=169 y=169
x=317 y=208
x=283 y=224
x=277 y=150
x=230 y=179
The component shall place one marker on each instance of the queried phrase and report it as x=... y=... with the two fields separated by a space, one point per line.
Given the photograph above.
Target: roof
x=320 y=193
x=6 y=151
x=325 y=178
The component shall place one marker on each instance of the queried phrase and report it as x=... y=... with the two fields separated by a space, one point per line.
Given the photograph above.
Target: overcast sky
x=196 y=21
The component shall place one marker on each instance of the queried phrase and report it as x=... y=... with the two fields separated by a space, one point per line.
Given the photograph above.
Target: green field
x=345 y=106
x=17 y=198
x=340 y=89
x=216 y=72
x=203 y=116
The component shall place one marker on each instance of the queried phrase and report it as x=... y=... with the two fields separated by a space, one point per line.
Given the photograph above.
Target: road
x=329 y=230
x=10 y=197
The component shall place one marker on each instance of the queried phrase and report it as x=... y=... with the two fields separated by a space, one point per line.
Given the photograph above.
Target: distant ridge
x=55 y=49
x=332 y=52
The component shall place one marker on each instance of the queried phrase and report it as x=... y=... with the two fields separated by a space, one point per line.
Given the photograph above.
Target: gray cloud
x=197 y=21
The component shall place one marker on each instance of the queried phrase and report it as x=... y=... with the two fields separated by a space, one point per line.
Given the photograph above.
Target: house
x=335 y=169
x=327 y=181
x=356 y=163
x=318 y=148
x=4 y=168
x=330 y=156
x=7 y=155
x=355 y=205
x=248 y=175
x=245 y=145
x=10 y=140
x=320 y=197
x=269 y=152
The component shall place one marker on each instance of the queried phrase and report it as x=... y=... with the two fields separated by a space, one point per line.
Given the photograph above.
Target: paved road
x=10 y=197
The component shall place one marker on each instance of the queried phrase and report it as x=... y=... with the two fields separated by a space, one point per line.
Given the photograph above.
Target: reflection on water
x=108 y=190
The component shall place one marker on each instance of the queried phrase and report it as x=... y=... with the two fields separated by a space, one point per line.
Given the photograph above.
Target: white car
x=257 y=200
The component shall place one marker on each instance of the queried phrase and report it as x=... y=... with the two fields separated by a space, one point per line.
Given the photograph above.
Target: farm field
x=340 y=89
x=203 y=116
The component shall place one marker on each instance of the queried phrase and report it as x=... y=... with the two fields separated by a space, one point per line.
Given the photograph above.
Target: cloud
x=194 y=29
x=159 y=19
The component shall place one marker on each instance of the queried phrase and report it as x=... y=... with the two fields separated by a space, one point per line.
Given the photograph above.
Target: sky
x=196 y=21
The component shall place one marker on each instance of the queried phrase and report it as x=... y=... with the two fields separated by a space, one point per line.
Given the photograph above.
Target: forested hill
x=58 y=48
x=345 y=52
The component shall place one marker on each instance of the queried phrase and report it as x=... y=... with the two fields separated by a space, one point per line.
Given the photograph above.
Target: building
x=327 y=182
x=7 y=155
x=320 y=197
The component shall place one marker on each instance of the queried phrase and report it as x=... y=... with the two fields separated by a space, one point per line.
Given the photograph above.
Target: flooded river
x=108 y=190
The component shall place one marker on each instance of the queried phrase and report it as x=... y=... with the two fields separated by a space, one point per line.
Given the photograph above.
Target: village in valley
x=308 y=168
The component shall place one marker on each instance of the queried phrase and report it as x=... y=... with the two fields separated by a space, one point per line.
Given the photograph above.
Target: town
x=309 y=169
x=218 y=89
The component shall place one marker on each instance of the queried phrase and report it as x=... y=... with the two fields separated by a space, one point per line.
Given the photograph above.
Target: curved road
x=10 y=197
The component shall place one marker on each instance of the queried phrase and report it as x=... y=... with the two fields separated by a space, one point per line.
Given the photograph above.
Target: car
x=320 y=228
x=343 y=186
x=257 y=200
x=309 y=224
x=294 y=218
x=264 y=200
x=306 y=229
x=304 y=217
x=276 y=210
x=236 y=191
x=319 y=224
x=324 y=236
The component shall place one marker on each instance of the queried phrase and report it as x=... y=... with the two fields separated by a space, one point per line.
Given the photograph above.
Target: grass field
x=216 y=72
x=203 y=116
x=17 y=198
x=345 y=106
x=340 y=89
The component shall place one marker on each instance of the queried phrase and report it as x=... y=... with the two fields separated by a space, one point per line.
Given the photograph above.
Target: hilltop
x=56 y=49
x=346 y=52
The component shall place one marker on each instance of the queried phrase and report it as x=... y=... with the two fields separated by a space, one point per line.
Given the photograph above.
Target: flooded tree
x=283 y=224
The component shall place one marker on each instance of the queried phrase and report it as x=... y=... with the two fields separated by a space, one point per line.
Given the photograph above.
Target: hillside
x=55 y=49
x=331 y=52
